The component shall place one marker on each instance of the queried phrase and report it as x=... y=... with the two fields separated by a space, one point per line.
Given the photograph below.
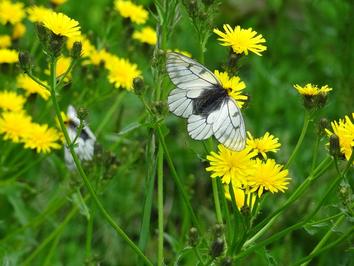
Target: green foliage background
x=308 y=41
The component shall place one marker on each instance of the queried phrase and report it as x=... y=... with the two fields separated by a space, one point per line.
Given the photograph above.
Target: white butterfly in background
x=200 y=97
x=85 y=143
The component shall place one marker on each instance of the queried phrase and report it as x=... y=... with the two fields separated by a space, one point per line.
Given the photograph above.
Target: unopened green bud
x=56 y=43
x=334 y=146
x=323 y=124
x=159 y=107
x=218 y=230
x=76 y=50
x=82 y=113
x=321 y=100
x=193 y=237
x=227 y=261
x=25 y=61
x=217 y=247
x=139 y=86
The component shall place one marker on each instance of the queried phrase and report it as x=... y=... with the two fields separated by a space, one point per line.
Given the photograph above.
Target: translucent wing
x=191 y=79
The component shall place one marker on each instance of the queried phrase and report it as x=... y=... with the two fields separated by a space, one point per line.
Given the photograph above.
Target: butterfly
x=85 y=143
x=200 y=97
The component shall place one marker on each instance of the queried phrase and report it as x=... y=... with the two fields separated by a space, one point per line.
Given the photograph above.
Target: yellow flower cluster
x=8 y=56
x=128 y=9
x=146 y=35
x=11 y=101
x=31 y=87
x=11 y=12
x=312 y=90
x=344 y=129
x=249 y=171
x=5 y=41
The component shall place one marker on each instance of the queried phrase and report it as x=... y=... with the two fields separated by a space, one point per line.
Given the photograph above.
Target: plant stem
x=160 y=205
x=325 y=238
x=216 y=201
x=89 y=233
x=315 y=152
x=88 y=185
x=300 y=140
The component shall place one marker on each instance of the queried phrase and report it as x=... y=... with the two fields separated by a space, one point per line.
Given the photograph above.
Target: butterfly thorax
x=209 y=101
x=73 y=125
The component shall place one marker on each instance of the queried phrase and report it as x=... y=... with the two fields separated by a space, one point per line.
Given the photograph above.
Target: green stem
x=177 y=180
x=48 y=260
x=216 y=201
x=315 y=152
x=38 y=81
x=110 y=112
x=325 y=238
x=160 y=205
x=301 y=138
x=88 y=185
x=89 y=233
x=72 y=63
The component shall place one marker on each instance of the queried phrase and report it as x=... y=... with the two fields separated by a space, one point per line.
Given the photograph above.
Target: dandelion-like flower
x=60 y=24
x=240 y=197
x=231 y=165
x=11 y=12
x=18 y=31
x=344 y=129
x=241 y=40
x=269 y=176
x=14 y=125
x=233 y=85
x=146 y=35
x=312 y=90
x=127 y=9
x=11 y=101
x=41 y=138
x=122 y=73
x=262 y=145
x=87 y=47
x=8 y=56
x=32 y=87
x=98 y=57
x=37 y=14
x=5 y=41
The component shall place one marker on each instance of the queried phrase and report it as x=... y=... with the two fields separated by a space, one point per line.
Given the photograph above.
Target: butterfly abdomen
x=209 y=101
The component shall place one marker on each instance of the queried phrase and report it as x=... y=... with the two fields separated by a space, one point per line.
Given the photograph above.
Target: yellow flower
x=146 y=35
x=41 y=138
x=122 y=73
x=11 y=12
x=5 y=41
x=99 y=56
x=344 y=129
x=127 y=9
x=262 y=145
x=8 y=56
x=14 y=125
x=18 y=31
x=87 y=47
x=60 y=24
x=268 y=176
x=231 y=165
x=240 y=196
x=241 y=40
x=32 y=87
x=11 y=101
x=312 y=90
x=38 y=13
x=233 y=85
x=58 y=2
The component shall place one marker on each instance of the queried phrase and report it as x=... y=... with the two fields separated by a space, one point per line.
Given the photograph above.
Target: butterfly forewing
x=200 y=97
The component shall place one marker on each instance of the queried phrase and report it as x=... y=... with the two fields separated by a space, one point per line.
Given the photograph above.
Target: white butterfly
x=85 y=142
x=200 y=97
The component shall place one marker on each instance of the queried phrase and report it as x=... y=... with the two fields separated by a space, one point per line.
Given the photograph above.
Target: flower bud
x=227 y=261
x=76 y=50
x=159 y=107
x=321 y=100
x=139 y=86
x=218 y=230
x=334 y=146
x=323 y=124
x=56 y=43
x=193 y=237
x=25 y=61
x=217 y=247
x=82 y=113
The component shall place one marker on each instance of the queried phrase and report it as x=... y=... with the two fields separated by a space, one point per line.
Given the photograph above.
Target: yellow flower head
x=127 y=9
x=14 y=125
x=5 y=41
x=32 y=87
x=344 y=129
x=87 y=47
x=18 y=31
x=233 y=85
x=8 y=56
x=122 y=73
x=240 y=197
x=268 y=176
x=11 y=12
x=146 y=35
x=312 y=90
x=231 y=165
x=241 y=40
x=100 y=56
x=58 y=2
x=60 y=24
x=11 y=101
x=41 y=138
x=262 y=145
x=37 y=14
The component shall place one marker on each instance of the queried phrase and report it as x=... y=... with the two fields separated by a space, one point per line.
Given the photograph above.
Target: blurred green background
x=307 y=42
